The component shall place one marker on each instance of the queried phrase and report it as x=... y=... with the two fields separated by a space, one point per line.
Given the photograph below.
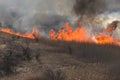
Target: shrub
x=54 y=75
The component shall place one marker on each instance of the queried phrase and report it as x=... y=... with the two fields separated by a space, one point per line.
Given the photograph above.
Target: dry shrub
x=50 y=75
x=12 y=55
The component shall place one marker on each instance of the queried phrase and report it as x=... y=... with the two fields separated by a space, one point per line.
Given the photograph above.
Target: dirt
x=54 y=55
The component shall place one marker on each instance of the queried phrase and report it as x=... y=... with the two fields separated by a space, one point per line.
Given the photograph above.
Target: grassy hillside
x=25 y=59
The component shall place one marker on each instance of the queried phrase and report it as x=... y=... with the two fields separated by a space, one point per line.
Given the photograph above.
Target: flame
x=80 y=34
x=66 y=33
x=106 y=39
x=32 y=35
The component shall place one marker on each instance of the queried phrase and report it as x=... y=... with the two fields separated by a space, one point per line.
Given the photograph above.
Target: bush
x=50 y=75
x=54 y=75
x=12 y=55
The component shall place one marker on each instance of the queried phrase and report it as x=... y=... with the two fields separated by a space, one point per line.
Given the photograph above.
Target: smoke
x=89 y=8
x=22 y=15
x=94 y=8
x=113 y=5
x=111 y=13
x=99 y=13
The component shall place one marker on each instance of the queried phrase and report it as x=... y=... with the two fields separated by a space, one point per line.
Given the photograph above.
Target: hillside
x=44 y=59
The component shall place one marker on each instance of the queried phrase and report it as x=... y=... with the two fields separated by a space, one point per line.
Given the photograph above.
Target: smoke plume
x=99 y=13
x=89 y=7
x=94 y=8
x=22 y=15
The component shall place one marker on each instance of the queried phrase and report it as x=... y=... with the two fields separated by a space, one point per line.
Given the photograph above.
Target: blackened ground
x=25 y=59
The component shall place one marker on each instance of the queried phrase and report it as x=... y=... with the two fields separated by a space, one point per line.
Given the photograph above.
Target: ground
x=44 y=59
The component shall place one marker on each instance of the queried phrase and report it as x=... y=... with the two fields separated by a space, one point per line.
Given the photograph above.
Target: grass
x=58 y=60
x=50 y=74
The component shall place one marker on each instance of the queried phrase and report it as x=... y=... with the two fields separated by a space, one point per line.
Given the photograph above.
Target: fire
x=32 y=35
x=80 y=34
x=106 y=39
x=101 y=38
x=66 y=33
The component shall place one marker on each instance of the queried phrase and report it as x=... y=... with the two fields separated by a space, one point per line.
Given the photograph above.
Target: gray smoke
x=89 y=8
x=111 y=13
x=93 y=8
x=99 y=13
x=22 y=15
x=113 y=5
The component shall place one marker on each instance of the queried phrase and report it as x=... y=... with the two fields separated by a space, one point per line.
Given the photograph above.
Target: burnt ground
x=25 y=59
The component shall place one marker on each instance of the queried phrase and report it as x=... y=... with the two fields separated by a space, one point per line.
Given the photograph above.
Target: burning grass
x=78 y=60
x=80 y=35
x=34 y=34
x=66 y=33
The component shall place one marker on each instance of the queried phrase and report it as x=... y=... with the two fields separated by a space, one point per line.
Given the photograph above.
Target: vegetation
x=50 y=75
x=57 y=60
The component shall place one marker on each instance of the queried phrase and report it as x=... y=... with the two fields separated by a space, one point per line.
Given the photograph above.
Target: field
x=44 y=59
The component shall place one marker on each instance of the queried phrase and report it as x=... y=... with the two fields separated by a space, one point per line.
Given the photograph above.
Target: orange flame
x=32 y=35
x=66 y=33
x=80 y=35
x=105 y=39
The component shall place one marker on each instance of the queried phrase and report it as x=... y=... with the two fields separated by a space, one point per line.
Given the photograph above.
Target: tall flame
x=32 y=35
x=66 y=33
x=80 y=35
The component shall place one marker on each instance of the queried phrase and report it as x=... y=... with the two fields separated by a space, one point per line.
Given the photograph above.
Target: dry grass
x=25 y=59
